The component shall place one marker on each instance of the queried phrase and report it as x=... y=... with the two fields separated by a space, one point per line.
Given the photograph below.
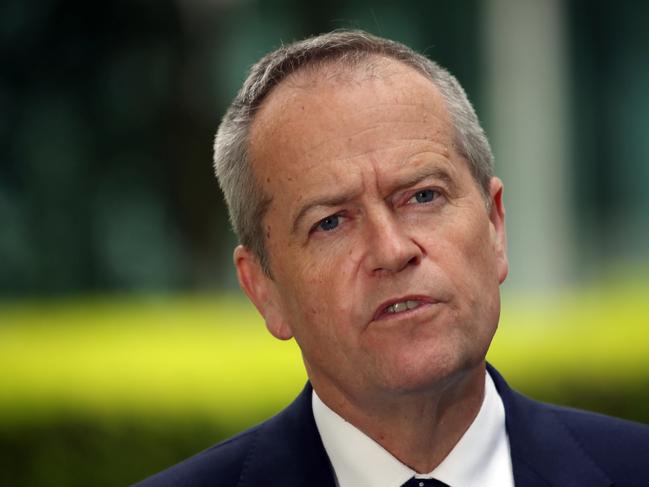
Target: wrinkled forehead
x=329 y=94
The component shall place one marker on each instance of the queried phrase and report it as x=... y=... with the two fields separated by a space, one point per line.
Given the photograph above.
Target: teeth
x=412 y=304
x=402 y=306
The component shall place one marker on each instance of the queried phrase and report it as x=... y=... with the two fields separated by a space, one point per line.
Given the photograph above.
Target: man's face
x=385 y=260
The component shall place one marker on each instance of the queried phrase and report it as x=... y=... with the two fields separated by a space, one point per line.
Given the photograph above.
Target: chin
x=438 y=370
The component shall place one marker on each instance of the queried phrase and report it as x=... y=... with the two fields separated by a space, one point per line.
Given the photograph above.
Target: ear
x=262 y=291
x=499 y=235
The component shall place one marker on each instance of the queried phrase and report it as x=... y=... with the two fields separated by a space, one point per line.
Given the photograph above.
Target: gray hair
x=246 y=200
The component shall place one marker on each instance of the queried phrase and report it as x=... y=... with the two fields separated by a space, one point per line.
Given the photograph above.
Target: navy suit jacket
x=550 y=446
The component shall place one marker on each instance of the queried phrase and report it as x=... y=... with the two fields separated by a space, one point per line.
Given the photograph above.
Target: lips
x=395 y=307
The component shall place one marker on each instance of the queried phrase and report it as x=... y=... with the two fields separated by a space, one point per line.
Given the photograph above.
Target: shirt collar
x=481 y=456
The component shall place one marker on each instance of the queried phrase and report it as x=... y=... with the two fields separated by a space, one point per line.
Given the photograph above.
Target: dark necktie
x=413 y=482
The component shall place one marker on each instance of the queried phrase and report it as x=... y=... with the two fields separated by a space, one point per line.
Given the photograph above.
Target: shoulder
x=618 y=444
x=284 y=450
x=594 y=427
x=565 y=446
x=598 y=432
x=224 y=461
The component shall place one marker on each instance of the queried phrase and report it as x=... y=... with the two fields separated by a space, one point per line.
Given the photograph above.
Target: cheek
x=476 y=247
x=306 y=295
x=323 y=300
x=466 y=257
x=483 y=279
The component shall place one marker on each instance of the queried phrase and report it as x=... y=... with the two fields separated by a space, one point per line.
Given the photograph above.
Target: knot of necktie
x=413 y=482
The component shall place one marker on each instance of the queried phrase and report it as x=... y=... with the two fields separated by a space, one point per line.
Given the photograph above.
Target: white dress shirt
x=481 y=457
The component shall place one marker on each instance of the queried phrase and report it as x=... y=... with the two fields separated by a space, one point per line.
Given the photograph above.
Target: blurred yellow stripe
x=213 y=356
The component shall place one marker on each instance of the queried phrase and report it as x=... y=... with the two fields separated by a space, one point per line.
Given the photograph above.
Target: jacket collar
x=544 y=451
x=288 y=450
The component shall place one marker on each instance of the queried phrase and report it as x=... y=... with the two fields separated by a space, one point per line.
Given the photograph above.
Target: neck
x=419 y=429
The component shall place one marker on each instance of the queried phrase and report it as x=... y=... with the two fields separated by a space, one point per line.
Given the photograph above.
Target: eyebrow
x=422 y=173
x=331 y=200
x=318 y=201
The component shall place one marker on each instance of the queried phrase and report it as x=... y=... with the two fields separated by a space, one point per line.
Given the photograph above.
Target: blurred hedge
x=106 y=391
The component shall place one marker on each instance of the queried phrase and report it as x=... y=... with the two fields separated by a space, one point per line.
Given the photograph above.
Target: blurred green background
x=125 y=344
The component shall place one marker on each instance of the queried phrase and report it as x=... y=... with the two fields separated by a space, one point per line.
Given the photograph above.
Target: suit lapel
x=544 y=451
x=288 y=450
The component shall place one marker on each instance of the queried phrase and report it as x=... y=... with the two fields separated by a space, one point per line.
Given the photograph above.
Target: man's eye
x=329 y=223
x=424 y=196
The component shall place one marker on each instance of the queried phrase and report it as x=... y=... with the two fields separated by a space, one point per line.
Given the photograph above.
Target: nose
x=390 y=248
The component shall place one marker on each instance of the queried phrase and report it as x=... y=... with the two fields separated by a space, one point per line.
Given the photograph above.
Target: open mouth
x=401 y=306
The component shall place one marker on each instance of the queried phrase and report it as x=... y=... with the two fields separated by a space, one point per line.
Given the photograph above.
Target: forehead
x=332 y=115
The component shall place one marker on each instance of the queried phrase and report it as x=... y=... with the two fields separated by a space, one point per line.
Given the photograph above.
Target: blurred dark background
x=107 y=117
x=107 y=113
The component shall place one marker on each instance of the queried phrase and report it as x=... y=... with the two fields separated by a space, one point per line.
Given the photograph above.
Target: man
x=372 y=231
